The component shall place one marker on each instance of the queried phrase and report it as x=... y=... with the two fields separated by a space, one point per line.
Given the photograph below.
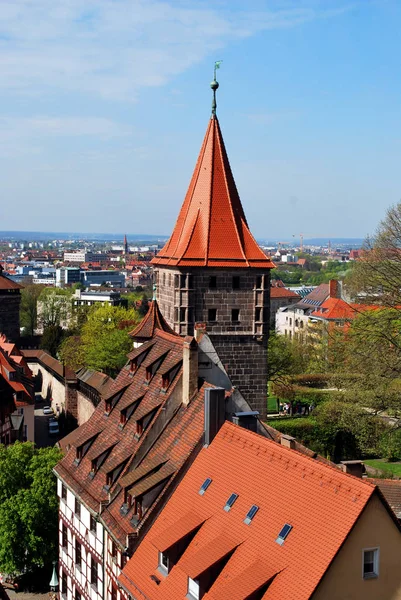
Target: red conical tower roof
x=211 y=229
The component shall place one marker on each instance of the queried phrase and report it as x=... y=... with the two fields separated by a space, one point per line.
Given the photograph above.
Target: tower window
x=259 y=282
x=213 y=282
x=212 y=314
x=235 y=314
x=236 y=282
x=182 y=314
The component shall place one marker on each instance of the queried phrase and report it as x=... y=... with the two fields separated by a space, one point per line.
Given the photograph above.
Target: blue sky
x=104 y=104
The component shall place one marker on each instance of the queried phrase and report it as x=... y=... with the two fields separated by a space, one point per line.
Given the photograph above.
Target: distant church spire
x=125 y=248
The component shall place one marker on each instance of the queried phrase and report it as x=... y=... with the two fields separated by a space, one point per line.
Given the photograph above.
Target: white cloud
x=113 y=48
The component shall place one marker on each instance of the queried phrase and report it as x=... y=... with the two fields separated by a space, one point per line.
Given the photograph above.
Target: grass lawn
x=271 y=404
x=388 y=468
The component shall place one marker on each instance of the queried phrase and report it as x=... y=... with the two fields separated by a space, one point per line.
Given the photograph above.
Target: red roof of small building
x=279 y=292
x=151 y=321
x=211 y=229
x=320 y=502
x=338 y=310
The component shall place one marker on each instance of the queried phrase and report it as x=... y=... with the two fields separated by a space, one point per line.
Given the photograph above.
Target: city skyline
x=105 y=106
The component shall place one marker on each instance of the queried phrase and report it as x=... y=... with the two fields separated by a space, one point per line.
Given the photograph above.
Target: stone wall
x=9 y=314
x=245 y=360
x=53 y=389
x=212 y=296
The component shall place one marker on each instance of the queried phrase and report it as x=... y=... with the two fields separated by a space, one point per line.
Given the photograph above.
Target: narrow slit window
x=235 y=314
x=212 y=314
x=204 y=486
x=251 y=513
x=230 y=502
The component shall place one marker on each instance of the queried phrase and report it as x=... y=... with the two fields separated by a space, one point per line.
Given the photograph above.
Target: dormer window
x=168 y=378
x=112 y=476
x=83 y=448
x=139 y=427
x=152 y=369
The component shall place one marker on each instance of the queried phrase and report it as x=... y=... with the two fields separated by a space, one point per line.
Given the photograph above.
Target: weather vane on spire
x=214 y=85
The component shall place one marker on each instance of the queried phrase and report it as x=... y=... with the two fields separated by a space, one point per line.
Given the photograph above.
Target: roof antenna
x=214 y=85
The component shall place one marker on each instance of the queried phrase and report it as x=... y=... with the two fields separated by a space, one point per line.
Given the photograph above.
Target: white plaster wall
x=56 y=388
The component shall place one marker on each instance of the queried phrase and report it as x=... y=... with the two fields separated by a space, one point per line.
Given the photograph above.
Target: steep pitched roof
x=286 y=486
x=151 y=321
x=112 y=445
x=211 y=229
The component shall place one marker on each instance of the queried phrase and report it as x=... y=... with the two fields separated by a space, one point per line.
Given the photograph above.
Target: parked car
x=47 y=410
x=53 y=428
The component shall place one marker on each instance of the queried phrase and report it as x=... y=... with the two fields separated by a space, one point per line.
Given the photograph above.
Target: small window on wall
x=77 y=508
x=236 y=282
x=259 y=282
x=182 y=314
x=213 y=282
x=235 y=314
x=370 y=565
x=63 y=492
x=212 y=314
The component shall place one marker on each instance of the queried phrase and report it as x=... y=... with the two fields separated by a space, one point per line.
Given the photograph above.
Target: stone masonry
x=9 y=313
x=234 y=304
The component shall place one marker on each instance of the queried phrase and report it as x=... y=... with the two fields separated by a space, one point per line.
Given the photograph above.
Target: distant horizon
x=7 y=235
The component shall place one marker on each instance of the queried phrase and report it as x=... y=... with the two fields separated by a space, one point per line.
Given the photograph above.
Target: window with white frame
x=370 y=563
x=193 y=588
x=163 y=563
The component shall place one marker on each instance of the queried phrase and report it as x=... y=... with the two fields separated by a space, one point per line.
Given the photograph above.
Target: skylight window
x=251 y=513
x=283 y=534
x=204 y=486
x=230 y=502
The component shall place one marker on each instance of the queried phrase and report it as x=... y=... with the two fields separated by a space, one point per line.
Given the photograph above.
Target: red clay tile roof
x=338 y=309
x=279 y=292
x=175 y=431
x=151 y=321
x=287 y=486
x=211 y=229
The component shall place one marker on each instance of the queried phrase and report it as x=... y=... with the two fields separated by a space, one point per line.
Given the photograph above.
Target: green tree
x=55 y=307
x=104 y=341
x=28 y=507
x=52 y=338
x=29 y=307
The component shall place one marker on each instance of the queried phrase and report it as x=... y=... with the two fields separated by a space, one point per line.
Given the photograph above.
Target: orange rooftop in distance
x=211 y=229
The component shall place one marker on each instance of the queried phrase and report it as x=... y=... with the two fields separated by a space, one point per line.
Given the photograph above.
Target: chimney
x=247 y=420
x=189 y=369
x=215 y=412
x=288 y=441
x=334 y=288
x=352 y=467
x=200 y=329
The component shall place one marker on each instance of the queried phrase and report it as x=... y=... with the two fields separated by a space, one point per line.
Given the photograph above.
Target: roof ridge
x=289 y=451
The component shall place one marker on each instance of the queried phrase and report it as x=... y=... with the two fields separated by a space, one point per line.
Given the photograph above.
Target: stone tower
x=10 y=300
x=212 y=271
